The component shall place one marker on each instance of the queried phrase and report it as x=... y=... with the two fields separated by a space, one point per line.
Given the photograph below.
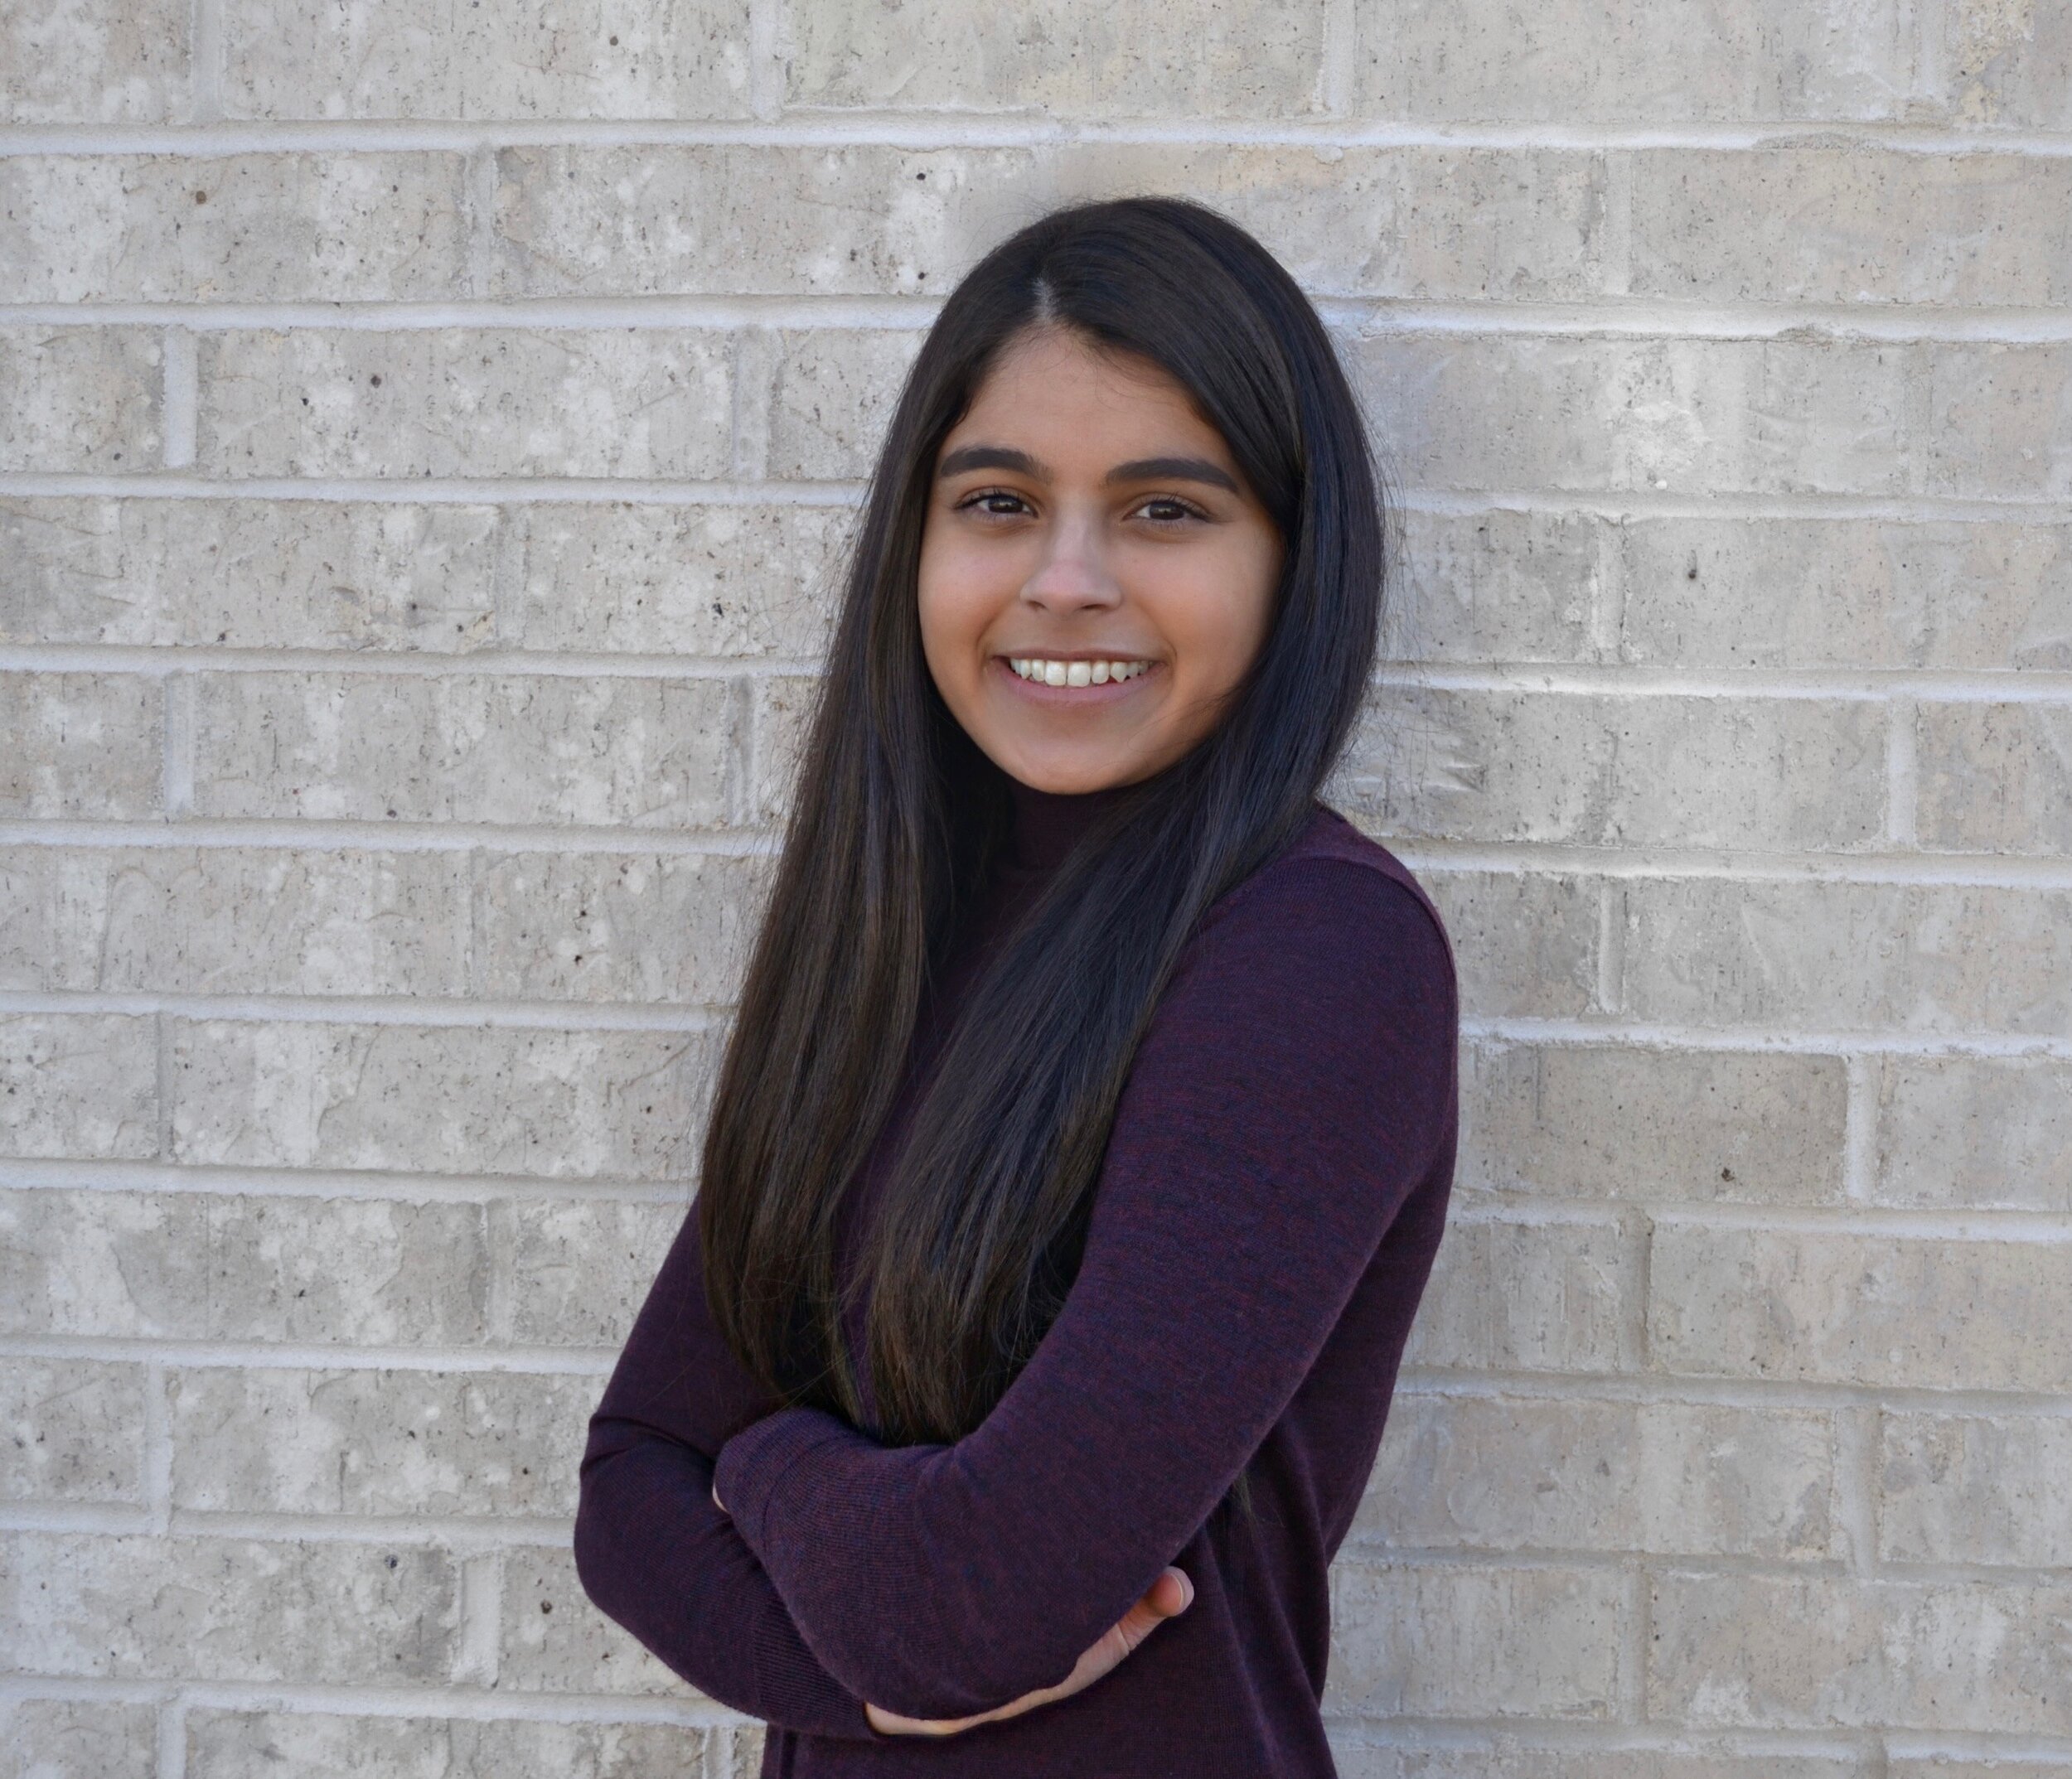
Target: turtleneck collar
x=1048 y=822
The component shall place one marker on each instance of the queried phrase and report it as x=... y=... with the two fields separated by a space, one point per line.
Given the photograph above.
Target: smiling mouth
x=1041 y=670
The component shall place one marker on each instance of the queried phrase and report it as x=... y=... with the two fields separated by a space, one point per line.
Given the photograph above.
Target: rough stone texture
x=1975 y=1488
x=1586 y=1121
x=71 y=1430
x=253 y=228
x=498 y=1100
x=56 y=1738
x=1744 y=1650
x=506 y=59
x=1963 y=1132
x=1517 y=1473
x=430 y=442
x=228 y=1608
x=257 y=1745
x=377 y=1442
x=80 y=398
x=248 y=575
x=617 y=749
x=495 y=402
x=1526 y=1642
x=1627 y=62
x=1585 y=771
x=230 y=919
x=79 y=1085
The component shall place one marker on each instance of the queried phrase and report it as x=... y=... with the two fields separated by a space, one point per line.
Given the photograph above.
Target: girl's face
x=1095 y=577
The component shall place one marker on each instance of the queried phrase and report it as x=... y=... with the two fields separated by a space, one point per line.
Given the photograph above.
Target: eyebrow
x=1142 y=469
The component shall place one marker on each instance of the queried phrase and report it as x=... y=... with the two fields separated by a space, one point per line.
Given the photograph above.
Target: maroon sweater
x=1273 y=1191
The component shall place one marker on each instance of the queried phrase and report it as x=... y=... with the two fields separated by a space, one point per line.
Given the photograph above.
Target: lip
x=1073 y=695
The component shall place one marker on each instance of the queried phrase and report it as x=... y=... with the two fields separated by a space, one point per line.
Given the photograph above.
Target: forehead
x=1053 y=384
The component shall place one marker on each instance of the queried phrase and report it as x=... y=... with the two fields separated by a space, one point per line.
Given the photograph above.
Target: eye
x=995 y=503
x=1168 y=510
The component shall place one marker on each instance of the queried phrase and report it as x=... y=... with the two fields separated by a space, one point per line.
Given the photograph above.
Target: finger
x=1171 y=1594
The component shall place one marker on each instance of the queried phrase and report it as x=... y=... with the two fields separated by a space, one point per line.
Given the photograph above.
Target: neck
x=1048 y=824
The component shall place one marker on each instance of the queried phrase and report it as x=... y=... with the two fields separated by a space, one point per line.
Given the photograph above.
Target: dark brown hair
x=896 y=817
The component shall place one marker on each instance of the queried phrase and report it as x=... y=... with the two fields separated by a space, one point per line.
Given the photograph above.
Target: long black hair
x=896 y=818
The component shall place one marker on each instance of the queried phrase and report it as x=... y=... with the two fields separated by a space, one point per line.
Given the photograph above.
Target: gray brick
x=551 y=1640
x=55 y=1739
x=474 y=747
x=1856 y=956
x=374 y=1442
x=2002 y=421
x=1964 y=1133
x=250 y=228
x=1510 y=1760
x=1525 y=944
x=1521 y=1642
x=503 y=60
x=71 y=1430
x=1616 y=1121
x=82 y=1085
x=610 y=926
x=579 y=1270
x=1851 y=225
x=2006 y=64
x=93 y=61
x=81 y=744
x=1835 y=1653
x=197 y=1266
x=747 y=581
x=1995 y=778
x=1776 y=773
x=1075 y=59
x=1691 y=416
x=1847 y=593
x=473 y=402
x=222 y=920
x=1915 y=1312
x=80 y=398
x=278 y=574
x=1974 y=1488
x=1625 y=62
x=1511 y=1294
x=228 y=1609
x=867 y=219
x=1521 y=1473
x=830 y=398
x=1495 y=585
x=257 y=1745
x=439 y=1099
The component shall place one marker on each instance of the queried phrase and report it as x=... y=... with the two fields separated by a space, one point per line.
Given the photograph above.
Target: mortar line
x=1855 y=1484
x=375 y=1185
x=1760 y=1395
x=1337 y=73
x=1364 y=317
x=172 y=1739
x=176 y=716
x=471 y=1704
x=482 y=1604
x=1900 y=689
x=922 y=131
x=1617 y=250
x=766 y=67
x=1608 y=505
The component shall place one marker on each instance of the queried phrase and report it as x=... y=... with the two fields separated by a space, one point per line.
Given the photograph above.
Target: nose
x=1073 y=575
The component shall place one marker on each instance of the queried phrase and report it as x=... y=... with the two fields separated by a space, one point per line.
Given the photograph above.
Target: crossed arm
x=1228 y=1232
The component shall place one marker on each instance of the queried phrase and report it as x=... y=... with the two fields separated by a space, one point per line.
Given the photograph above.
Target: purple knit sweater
x=1274 y=1190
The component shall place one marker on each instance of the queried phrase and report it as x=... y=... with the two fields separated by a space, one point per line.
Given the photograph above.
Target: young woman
x=1086 y=1130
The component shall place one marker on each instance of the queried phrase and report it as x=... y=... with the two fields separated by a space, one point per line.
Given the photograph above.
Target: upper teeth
x=1074 y=673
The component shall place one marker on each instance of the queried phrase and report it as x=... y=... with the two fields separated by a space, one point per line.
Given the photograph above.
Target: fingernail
x=1187 y=1587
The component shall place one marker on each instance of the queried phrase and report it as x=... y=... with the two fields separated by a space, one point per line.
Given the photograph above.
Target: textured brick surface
x=431 y=439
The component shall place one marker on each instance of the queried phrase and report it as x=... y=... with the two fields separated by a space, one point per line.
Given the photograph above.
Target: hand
x=1167 y=1597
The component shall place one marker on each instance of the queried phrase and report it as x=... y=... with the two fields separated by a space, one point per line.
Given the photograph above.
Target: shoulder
x=1332 y=887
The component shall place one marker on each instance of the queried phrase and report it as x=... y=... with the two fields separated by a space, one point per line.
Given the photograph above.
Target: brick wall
x=424 y=435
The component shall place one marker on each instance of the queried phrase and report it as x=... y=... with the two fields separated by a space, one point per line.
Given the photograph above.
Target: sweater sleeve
x=652 y=1548
x=1296 y=1084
